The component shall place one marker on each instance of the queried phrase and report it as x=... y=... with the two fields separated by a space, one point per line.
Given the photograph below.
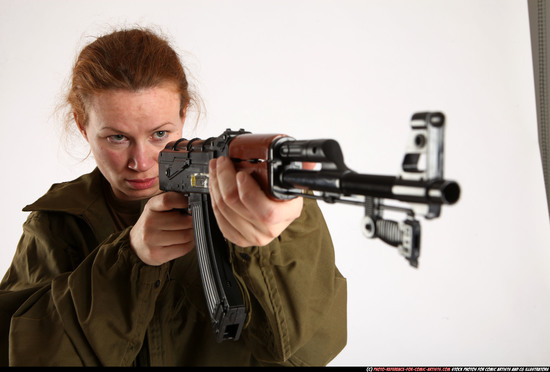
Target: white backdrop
x=354 y=71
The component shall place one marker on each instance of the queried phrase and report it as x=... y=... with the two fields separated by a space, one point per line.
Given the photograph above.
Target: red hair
x=131 y=59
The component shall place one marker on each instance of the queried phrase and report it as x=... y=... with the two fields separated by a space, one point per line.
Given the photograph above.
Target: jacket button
x=157 y=283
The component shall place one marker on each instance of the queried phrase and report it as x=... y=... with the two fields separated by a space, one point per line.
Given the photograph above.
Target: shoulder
x=73 y=197
x=77 y=205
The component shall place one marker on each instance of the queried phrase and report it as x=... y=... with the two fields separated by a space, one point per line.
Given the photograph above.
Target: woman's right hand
x=163 y=232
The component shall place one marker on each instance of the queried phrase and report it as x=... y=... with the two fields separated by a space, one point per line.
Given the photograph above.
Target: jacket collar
x=82 y=197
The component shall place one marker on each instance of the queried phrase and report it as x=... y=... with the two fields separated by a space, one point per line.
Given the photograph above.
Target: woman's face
x=126 y=131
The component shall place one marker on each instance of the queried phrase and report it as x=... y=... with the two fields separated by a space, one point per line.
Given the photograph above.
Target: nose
x=141 y=158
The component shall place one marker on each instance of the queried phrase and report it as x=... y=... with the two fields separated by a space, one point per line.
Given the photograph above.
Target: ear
x=80 y=126
x=184 y=116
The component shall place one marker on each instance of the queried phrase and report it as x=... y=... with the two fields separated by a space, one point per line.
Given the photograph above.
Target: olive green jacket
x=77 y=295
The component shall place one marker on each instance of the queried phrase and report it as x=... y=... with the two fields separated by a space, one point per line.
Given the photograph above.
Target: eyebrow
x=121 y=131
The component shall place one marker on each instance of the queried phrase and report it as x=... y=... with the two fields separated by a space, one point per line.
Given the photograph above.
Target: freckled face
x=126 y=131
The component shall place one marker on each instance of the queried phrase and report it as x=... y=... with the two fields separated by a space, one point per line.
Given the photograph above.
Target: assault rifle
x=276 y=162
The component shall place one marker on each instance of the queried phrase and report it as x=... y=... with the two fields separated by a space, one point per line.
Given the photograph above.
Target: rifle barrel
x=437 y=191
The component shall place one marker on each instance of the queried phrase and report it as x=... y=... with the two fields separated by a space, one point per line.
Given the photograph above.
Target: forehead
x=121 y=106
x=160 y=96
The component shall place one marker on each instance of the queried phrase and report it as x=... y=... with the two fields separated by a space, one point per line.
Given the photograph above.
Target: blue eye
x=160 y=134
x=116 y=138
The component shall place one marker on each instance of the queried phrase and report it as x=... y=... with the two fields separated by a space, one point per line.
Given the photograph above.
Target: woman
x=105 y=272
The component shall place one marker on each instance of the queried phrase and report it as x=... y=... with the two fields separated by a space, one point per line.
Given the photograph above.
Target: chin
x=145 y=194
x=140 y=194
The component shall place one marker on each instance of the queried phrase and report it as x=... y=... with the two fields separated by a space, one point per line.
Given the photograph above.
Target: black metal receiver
x=184 y=168
x=283 y=168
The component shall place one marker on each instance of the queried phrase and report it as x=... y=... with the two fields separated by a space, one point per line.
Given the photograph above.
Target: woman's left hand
x=245 y=215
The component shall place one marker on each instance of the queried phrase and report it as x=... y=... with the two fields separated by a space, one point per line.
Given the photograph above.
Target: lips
x=142 y=183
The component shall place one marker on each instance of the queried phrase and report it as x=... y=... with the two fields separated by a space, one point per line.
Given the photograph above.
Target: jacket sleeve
x=297 y=296
x=51 y=244
x=96 y=314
